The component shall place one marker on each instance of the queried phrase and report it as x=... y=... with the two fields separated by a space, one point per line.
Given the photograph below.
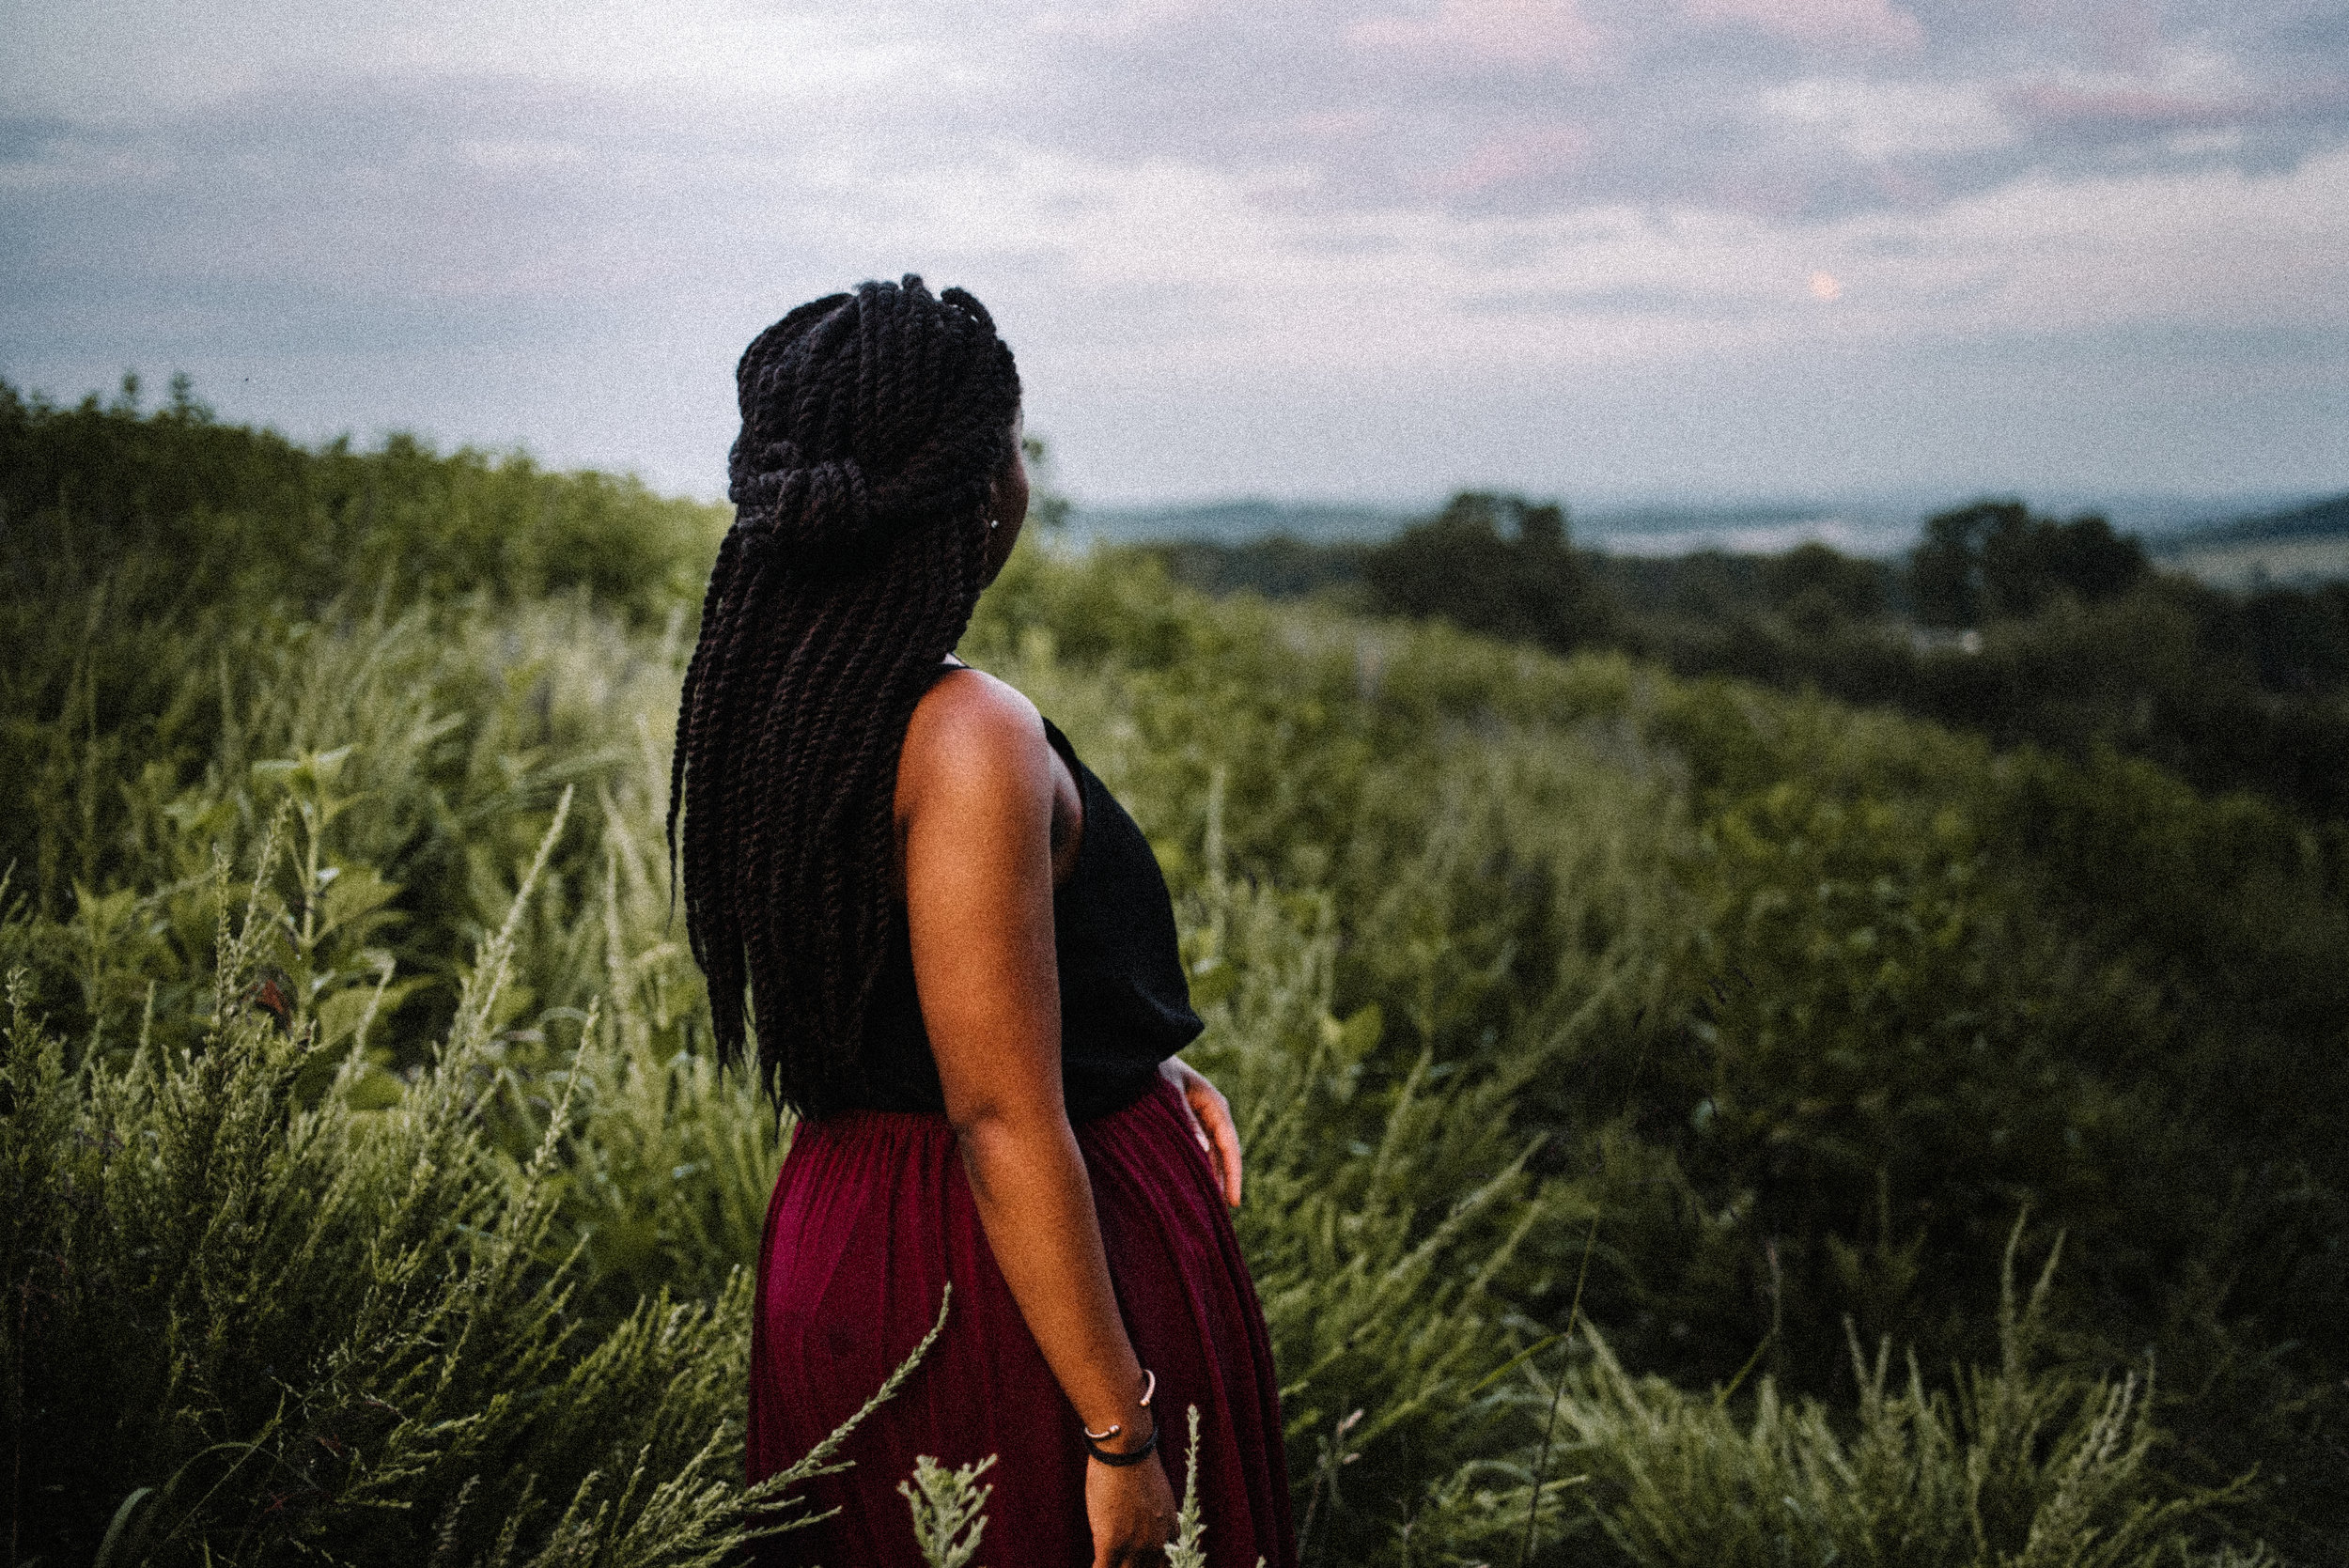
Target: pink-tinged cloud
x=1875 y=23
x=1510 y=158
x=1551 y=33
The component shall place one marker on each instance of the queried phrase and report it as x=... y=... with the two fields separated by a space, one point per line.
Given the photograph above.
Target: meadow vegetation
x=2005 y=623
x=1688 y=1123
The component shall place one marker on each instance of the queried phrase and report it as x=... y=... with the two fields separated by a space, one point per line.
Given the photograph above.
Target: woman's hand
x=1211 y=1123
x=1130 y=1508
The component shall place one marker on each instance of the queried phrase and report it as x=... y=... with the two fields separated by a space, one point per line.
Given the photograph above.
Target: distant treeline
x=2025 y=628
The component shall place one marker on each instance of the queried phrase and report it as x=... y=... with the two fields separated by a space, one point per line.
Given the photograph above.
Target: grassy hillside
x=2076 y=646
x=1701 y=1124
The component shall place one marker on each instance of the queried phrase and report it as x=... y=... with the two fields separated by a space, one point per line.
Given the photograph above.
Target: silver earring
x=993 y=523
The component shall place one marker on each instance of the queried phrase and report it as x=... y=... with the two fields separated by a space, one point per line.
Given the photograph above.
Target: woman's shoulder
x=973 y=731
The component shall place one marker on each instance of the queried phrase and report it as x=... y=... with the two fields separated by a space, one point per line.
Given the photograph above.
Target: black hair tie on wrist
x=1133 y=1456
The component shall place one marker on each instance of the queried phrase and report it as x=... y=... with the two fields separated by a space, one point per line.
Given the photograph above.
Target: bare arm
x=975 y=801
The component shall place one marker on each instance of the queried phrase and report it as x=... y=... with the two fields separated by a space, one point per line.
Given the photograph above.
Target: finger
x=1199 y=1131
x=1178 y=1071
x=1224 y=1135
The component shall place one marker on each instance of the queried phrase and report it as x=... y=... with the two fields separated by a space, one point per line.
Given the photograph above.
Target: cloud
x=1513 y=33
x=1622 y=299
x=1871 y=23
x=2127 y=111
x=1512 y=157
x=1343 y=241
x=1803 y=109
x=24 y=136
x=1874 y=121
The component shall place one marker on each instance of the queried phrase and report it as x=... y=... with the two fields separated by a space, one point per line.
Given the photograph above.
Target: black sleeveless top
x=1123 y=1004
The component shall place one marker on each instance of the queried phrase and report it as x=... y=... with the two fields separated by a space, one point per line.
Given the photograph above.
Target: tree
x=1816 y=573
x=1996 y=560
x=2088 y=560
x=1529 y=584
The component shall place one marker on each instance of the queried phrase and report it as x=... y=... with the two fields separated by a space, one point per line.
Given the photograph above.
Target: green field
x=1689 y=1124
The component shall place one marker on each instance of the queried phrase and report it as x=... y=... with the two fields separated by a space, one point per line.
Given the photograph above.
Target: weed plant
x=256 y=1324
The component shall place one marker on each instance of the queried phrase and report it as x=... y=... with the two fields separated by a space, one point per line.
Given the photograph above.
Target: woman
x=962 y=962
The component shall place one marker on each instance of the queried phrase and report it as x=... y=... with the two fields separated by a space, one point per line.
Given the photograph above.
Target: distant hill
x=2288 y=538
x=1241 y=521
x=1863 y=528
x=1751 y=528
x=2298 y=546
x=2317 y=520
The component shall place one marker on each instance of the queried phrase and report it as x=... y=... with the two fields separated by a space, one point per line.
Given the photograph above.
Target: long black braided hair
x=873 y=427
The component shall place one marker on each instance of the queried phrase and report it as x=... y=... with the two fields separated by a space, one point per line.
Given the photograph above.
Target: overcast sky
x=1587 y=248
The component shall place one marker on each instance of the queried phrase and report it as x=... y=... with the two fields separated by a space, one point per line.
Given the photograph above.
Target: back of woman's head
x=873 y=425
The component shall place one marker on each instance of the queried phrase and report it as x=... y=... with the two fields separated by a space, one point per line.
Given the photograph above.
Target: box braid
x=873 y=427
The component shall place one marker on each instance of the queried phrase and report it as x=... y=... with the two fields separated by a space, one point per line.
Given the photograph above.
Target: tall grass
x=255 y=1323
x=1550 y=993
x=1855 y=991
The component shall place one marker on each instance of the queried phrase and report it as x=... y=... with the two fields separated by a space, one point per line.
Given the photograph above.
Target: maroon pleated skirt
x=871 y=1218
